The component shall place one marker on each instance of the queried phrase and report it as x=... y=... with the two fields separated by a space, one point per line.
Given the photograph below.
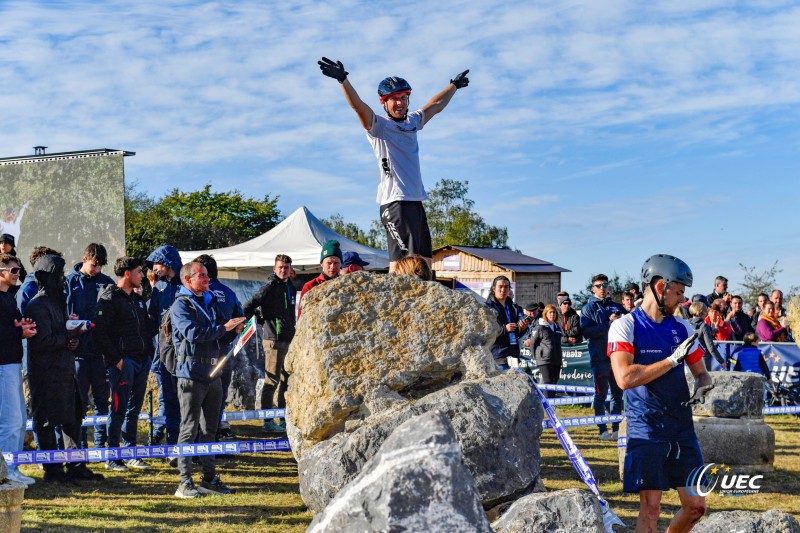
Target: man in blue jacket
x=165 y=262
x=596 y=318
x=199 y=333
x=83 y=285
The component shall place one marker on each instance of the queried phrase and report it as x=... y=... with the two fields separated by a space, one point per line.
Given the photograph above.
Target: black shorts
x=407 y=231
x=659 y=465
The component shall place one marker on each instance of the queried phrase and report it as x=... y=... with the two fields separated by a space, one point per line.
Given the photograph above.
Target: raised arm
x=440 y=101
x=335 y=70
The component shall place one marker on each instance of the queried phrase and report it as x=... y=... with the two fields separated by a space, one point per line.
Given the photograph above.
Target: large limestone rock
x=416 y=482
x=497 y=420
x=563 y=511
x=745 y=442
x=772 y=521
x=389 y=337
x=735 y=395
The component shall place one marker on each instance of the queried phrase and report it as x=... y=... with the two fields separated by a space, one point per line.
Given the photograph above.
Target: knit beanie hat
x=330 y=248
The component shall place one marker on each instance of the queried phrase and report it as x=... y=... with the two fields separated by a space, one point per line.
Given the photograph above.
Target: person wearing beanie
x=331 y=262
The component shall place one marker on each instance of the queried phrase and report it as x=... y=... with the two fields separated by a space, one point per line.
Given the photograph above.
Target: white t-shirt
x=395 y=146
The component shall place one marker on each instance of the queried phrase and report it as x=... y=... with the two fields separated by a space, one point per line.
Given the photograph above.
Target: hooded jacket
x=122 y=326
x=26 y=292
x=595 y=325
x=51 y=366
x=164 y=291
x=546 y=343
x=82 y=291
x=199 y=334
x=274 y=301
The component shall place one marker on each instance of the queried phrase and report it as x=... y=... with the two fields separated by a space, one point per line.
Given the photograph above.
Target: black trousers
x=549 y=375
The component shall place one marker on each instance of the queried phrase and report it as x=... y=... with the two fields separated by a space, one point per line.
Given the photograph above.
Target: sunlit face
x=777 y=298
x=9 y=273
x=600 y=289
x=769 y=309
x=396 y=105
x=721 y=287
x=91 y=267
x=135 y=276
x=627 y=301
x=736 y=304
x=5 y=247
x=331 y=266
x=199 y=280
x=160 y=269
x=762 y=300
x=501 y=290
x=713 y=315
x=282 y=270
x=550 y=315
x=673 y=296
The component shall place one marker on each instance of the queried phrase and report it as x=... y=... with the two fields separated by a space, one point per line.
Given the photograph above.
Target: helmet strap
x=392 y=116
x=659 y=301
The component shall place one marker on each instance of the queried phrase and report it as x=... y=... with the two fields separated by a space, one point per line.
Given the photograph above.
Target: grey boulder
x=563 y=511
x=735 y=395
x=416 y=482
x=772 y=521
x=497 y=423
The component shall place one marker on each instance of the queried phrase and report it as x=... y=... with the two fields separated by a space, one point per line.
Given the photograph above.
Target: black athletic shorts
x=407 y=231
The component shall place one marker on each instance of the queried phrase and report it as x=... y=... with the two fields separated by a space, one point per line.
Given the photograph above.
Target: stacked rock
x=11 y=495
x=381 y=361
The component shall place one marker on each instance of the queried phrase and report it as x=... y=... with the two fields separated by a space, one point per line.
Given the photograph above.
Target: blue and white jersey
x=654 y=411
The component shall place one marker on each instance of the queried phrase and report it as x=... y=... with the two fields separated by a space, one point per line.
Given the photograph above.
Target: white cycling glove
x=681 y=351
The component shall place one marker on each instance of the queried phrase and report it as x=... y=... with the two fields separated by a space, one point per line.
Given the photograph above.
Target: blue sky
x=599 y=132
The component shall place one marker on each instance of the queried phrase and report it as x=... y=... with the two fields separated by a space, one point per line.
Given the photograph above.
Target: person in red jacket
x=719 y=328
x=331 y=262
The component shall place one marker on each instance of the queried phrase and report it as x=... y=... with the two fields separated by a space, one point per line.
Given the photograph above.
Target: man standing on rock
x=274 y=305
x=394 y=140
x=648 y=348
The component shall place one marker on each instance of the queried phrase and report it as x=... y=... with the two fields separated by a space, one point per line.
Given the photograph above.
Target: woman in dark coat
x=510 y=319
x=546 y=348
x=55 y=399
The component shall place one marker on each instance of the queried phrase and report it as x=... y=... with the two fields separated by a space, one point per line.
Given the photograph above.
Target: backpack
x=167 y=353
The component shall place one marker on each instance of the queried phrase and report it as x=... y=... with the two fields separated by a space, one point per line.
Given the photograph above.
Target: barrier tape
x=622 y=442
x=566 y=388
x=781 y=410
x=584 y=421
x=260 y=414
x=144 y=452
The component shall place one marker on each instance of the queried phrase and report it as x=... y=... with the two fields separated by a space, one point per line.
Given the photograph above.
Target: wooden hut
x=473 y=268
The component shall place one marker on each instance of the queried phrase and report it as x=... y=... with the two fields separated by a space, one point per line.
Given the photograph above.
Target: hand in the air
x=461 y=80
x=333 y=69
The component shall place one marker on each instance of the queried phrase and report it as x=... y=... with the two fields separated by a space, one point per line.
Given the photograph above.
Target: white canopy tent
x=300 y=236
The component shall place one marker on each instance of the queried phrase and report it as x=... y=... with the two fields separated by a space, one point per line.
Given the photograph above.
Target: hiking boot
x=82 y=472
x=58 y=476
x=215 y=486
x=271 y=427
x=116 y=466
x=226 y=433
x=187 y=490
x=173 y=462
x=137 y=464
x=19 y=477
x=606 y=436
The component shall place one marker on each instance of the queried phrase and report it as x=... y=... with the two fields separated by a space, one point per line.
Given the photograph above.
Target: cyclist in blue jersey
x=648 y=349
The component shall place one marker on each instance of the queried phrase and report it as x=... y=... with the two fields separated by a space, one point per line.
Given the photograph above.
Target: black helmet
x=391 y=85
x=668 y=267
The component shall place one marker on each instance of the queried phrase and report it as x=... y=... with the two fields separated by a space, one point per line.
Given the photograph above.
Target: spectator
x=273 y=304
x=124 y=336
x=199 y=333
x=750 y=311
x=596 y=318
x=720 y=329
x=570 y=322
x=29 y=288
x=769 y=328
x=352 y=262
x=750 y=358
x=506 y=345
x=560 y=296
x=55 y=399
x=627 y=302
x=777 y=298
x=394 y=140
x=165 y=263
x=331 y=262
x=229 y=307
x=634 y=290
x=7 y=246
x=739 y=320
x=720 y=288
x=698 y=313
x=13 y=328
x=546 y=348
x=763 y=298
x=83 y=285
x=414 y=265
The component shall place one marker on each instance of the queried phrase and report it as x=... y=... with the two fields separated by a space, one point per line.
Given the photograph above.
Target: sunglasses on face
x=13 y=270
x=600 y=285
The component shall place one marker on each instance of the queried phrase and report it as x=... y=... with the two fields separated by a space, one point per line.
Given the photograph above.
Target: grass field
x=267 y=497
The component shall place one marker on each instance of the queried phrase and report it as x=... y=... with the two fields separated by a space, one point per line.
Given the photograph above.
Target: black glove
x=333 y=69
x=699 y=396
x=459 y=81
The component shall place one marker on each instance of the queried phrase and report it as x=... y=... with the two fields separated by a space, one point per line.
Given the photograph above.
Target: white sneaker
x=16 y=475
x=137 y=463
x=606 y=436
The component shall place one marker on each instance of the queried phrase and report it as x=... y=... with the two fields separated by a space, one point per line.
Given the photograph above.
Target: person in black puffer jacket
x=51 y=370
x=124 y=336
x=698 y=312
x=546 y=348
x=509 y=317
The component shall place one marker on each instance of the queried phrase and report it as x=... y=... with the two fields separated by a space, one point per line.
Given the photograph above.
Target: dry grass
x=268 y=499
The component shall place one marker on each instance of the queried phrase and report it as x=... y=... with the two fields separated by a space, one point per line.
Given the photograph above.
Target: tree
x=757 y=282
x=198 y=220
x=452 y=220
x=616 y=287
x=374 y=237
